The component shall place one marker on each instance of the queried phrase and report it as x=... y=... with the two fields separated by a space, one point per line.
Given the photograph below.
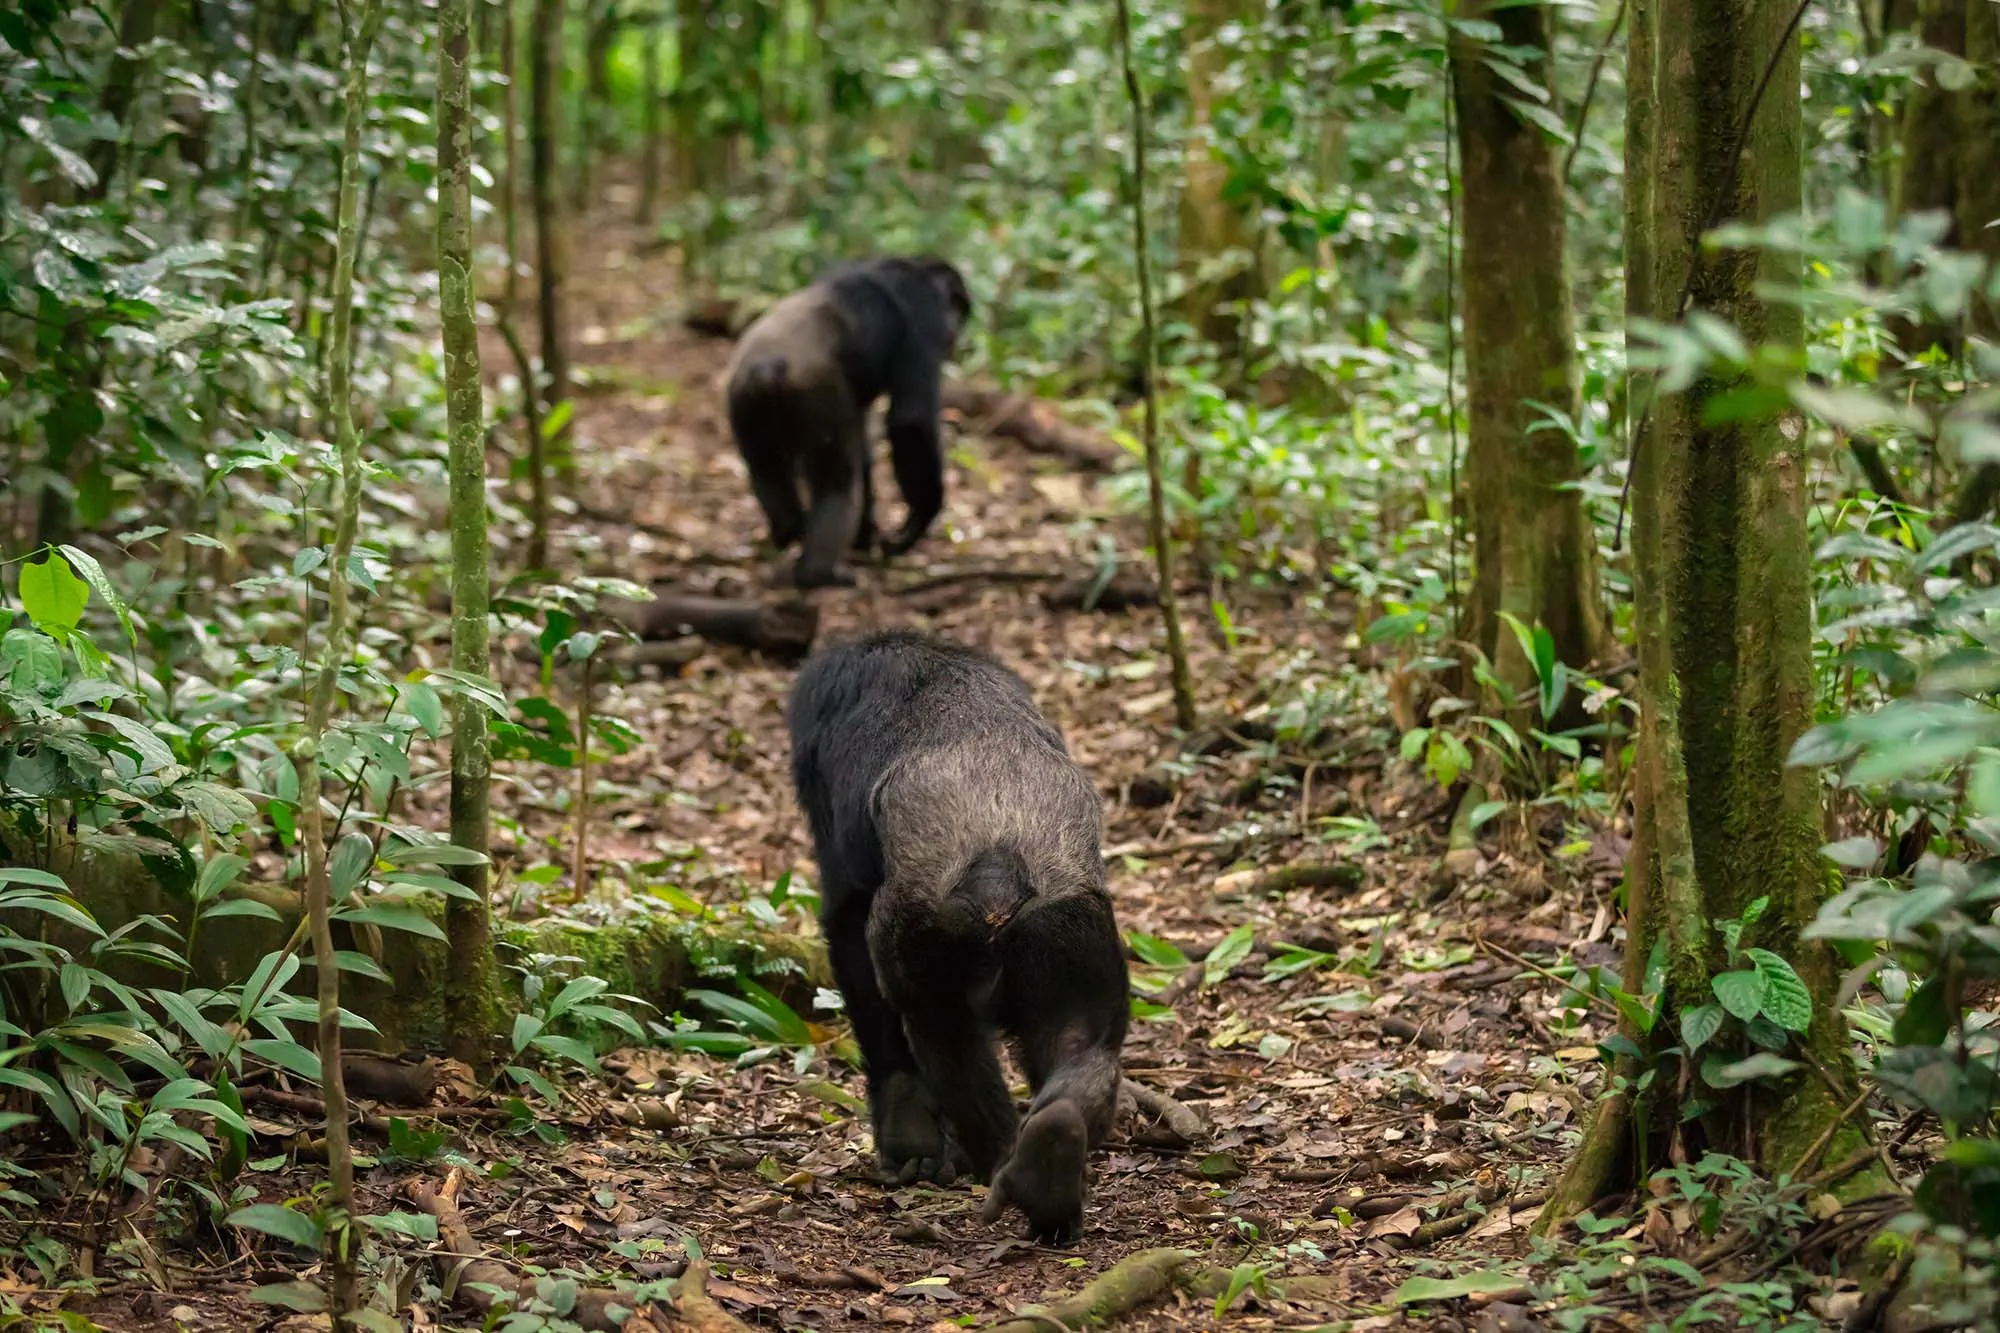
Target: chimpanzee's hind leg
x=1064 y=998
x=909 y=1137
x=932 y=965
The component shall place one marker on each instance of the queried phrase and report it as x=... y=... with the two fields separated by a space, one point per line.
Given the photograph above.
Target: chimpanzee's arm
x=916 y=450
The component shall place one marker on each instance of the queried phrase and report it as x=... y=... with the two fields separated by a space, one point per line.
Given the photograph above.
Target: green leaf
x=417 y=1226
x=393 y=918
x=41 y=879
x=217 y=874
x=432 y=854
x=287 y=1055
x=1223 y=958
x=1154 y=951
x=541 y=1087
x=1420 y=1289
x=1762 y=1065
x=51 y=594
x=301 y=1296
x=1741 y=993
x=93 y=574
x=222 y=808
x=348 y=865
x=153 y=752
x=567 y=1048
x=1787 y=1002
x=275 y=1219
x=251 y=907
x=425 y=706
x=1699 y=1026
x=191 y=1094
x=1926 y=1018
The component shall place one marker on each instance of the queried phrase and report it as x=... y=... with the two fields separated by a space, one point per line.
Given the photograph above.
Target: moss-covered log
x=656 y=957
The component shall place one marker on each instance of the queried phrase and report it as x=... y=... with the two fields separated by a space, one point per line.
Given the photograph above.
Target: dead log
x=1173 y=1124
x=1124 y=591
x=783 y=629
x=1032 y=423
x=722 y=316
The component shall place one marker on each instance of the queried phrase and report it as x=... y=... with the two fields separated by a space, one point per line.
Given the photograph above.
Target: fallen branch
x=784 y=629
x=1032 y=423
x=1123 y=592
x=483 y=1283
x=1134 y=1281
x=1177 y=1120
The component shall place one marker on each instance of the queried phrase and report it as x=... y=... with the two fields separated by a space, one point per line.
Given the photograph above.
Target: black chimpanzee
x=800 y=385
x=963 y=893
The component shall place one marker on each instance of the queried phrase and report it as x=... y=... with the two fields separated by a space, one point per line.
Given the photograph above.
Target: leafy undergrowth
x=1385 y=1082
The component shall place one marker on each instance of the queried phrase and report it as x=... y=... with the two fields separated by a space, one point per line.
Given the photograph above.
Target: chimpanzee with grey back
x=962 y=893
x=801 y=382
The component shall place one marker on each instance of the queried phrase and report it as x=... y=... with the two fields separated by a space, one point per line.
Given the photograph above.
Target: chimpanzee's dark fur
x=800 y=385
x=962 y=891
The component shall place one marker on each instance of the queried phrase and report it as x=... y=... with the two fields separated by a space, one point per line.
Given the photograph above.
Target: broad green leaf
x=1764 y=1064
x=417 y=1226
x=217 y=874
x=1421 y=1288
x=393 y=918
x=348 y=865
x=41 y=879
x=1699 y=1026
x=1787 y=1002
x=51 y=594
x=425 y=705
x=1741 y=993
x=431 y=854
x=287 y=1055
x=301 y=1296
x=263 y=911
x=1154 y=951
x=275 y=1219
x=93 y=574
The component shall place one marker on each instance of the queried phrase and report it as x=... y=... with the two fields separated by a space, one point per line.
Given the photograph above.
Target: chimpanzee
x=962 y=892
x=800 y=385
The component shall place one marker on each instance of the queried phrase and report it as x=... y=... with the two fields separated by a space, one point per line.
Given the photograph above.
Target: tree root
x=1134 y=1281
x=483 y=1283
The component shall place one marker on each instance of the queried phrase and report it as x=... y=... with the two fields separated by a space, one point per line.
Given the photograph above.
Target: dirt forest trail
x=1361 y=1125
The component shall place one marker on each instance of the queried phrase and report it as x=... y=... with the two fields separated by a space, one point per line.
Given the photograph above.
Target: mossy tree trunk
x=342 y=1245
x=1951 y=164
x=469 y=988
x=653 y=146
x=545 y=42
x=1723 y=610
x=1533 y=543
x=1218 y=252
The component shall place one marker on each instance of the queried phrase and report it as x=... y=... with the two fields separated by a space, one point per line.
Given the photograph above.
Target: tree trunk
x=1533 y=542
x=342 y=1243
x=1218 y=249
x=1156 y=504
x=545 y=42
x=1723 y=601
x=600 y=34
x=654 y=147
x=1978 y=123
x=1927 y=177
x=468 y=1020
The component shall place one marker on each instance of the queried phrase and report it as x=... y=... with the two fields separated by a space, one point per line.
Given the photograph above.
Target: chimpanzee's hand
x=1045 y=1176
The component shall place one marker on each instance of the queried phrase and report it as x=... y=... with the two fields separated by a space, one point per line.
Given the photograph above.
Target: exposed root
x=1134 y=1281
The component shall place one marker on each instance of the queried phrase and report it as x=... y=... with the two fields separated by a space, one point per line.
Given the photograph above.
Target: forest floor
x=1399 y=1115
